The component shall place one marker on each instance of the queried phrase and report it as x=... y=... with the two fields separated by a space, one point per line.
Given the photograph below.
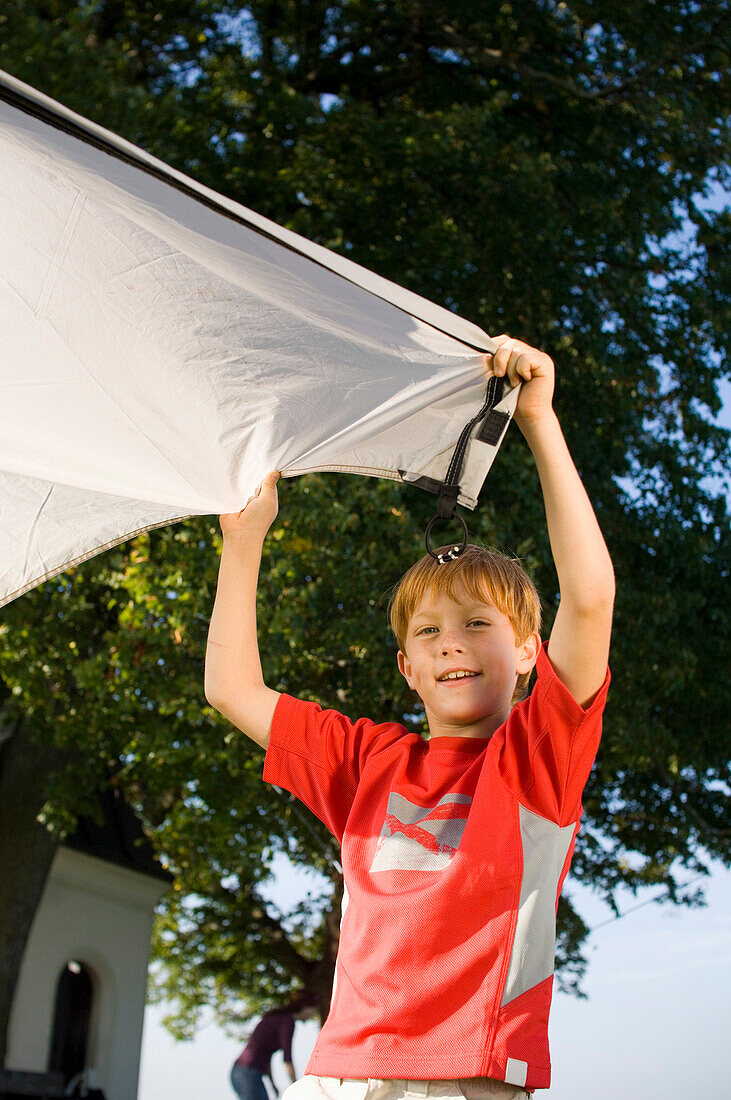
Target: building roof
x=117 y=837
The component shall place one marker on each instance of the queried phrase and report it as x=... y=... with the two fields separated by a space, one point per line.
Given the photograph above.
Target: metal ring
x=455 y=551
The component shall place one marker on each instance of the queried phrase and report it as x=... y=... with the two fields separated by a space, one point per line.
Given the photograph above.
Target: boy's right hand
x=255 y=519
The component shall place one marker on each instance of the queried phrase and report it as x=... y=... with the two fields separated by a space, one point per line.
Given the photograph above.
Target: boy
x=454 y=849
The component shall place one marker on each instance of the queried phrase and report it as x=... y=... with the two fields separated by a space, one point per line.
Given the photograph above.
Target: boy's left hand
x=523 y=363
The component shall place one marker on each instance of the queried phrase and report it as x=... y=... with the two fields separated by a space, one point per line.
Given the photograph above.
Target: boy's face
x=462 y=658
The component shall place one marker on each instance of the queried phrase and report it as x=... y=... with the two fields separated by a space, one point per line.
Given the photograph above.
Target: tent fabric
x=162 y=348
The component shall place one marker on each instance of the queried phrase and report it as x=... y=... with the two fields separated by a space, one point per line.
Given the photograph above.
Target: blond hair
x=486 y=575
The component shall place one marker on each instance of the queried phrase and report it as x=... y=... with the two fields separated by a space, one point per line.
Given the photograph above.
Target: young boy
x=454 y=849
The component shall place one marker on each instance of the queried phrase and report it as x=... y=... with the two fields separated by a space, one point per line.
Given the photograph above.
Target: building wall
x=100 y=915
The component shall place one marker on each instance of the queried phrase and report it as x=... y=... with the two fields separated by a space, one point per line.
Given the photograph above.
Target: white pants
x=343 y=1088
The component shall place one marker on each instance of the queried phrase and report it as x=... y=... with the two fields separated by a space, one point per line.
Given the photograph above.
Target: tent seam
x=90 y=554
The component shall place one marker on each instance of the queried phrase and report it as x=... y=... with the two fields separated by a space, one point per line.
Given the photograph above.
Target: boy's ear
x=404 y=667
x=528 y=653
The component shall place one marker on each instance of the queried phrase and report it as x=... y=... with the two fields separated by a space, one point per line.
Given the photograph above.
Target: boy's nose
x=451 y=643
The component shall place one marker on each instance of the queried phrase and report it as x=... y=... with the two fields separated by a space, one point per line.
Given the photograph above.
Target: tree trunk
x=26 y=852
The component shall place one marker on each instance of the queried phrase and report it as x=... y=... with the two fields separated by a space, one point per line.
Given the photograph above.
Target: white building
x=80 y=998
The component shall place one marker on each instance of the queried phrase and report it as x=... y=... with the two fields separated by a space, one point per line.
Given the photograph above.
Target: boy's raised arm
x=579 y=641
x=234 y=684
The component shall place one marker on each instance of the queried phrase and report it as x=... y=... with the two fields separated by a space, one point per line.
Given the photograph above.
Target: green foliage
x=548 y=169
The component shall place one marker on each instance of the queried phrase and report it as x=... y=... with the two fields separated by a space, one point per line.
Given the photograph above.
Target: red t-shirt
x=454 y=852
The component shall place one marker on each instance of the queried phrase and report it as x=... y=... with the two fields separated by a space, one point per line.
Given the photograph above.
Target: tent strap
x=492 y=423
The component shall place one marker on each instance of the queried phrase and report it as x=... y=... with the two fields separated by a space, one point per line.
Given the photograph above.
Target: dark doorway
x=71 y=1021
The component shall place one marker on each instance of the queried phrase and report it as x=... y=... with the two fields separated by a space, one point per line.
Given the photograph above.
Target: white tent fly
x=162 y=348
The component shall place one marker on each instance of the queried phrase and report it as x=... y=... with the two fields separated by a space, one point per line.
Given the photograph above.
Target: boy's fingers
x=513 y=362
x=524 y=367
x=514 y=372
x=269 y=481
x=232 y=520
x=519 y=361
x=501 y=358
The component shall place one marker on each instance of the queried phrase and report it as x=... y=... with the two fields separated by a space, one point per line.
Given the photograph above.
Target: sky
x=655 y=1022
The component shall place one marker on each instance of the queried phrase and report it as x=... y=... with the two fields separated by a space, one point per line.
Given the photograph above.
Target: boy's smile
x=463 y=660
x=457 y=674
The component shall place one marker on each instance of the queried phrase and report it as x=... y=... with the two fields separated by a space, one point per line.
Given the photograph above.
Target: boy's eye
x=427 y=630
x=478 y=622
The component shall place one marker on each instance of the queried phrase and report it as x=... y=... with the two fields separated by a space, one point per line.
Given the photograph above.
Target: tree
x=548 y=169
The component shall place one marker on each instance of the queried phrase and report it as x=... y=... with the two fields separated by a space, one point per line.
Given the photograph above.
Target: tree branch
x=688 y=808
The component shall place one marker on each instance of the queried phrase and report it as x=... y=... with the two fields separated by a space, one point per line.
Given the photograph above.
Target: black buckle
x=448 y=491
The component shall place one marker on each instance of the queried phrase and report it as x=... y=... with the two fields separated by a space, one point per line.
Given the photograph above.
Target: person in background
x=273 y=1032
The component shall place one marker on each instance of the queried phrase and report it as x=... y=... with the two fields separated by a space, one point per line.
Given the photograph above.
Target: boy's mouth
x=457 y=674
